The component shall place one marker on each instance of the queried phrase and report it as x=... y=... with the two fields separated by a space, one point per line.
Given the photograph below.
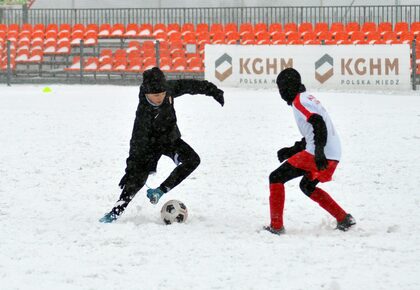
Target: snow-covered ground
x=62 y=155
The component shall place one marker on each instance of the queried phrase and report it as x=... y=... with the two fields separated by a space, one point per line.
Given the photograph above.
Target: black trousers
x=288 y=172
x=186 y=159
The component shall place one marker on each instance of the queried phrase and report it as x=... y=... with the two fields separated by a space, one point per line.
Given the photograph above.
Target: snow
x=62 y=155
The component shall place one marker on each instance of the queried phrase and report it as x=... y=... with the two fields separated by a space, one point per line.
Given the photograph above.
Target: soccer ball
x=174 y=211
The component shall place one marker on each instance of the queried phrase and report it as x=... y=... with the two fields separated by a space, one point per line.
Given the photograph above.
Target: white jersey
x=306 y=105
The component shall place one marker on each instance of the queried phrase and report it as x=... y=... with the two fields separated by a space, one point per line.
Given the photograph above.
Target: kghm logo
x=324 y=68
x=223 y=67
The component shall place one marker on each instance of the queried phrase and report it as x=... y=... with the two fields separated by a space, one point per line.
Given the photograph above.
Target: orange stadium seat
x=175 y=36
x=105 y=30
x=179 y=64
x=165 y=64
x=91 y=39
x=326 y=37
x=39 y=27
x=275 y=28
x=120 y=64
x=149 y=62
x=390 y=37
x=263 y=37
x=374 y=37
x=195 y=65
x=78 y=28
x=369 y=27
x=336 y=27
x=406 y=37
x=134 y=65
x=92 y=28
x=203 y=38
x=358 y=37
x=352 y=27
x=22 y=56
x=159 y=28
x=105 y=65
x=278 y=38
x=132 y=30
x=202 y=27
x=216 y=28
x=248 y=38
x=26 y=27
x=304 y=28
x=400 y=27
x=173 y=28
x=415 y=29
x=294 y=38
x=50 y=47
x=320 y=27
x=76 y=37
x=51 y=27
x=187 y=28
x=91 y=64
x=133 y=46
x=189 y=37
x=341 y=37
x=245 y=28
x=260 y=28
x=310 y=38
x=63 y=48
x=232 y=38
x=230 y=28
x=161 y=37
x=145 y=30
x=118 y=30
x=290 y=28
x=149 y=44
x=218 y=38
x=384 y=27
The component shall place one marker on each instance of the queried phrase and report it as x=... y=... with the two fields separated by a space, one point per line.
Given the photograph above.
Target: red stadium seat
x=216 y=28
x=165 y=64
x=326 y=37
x=358 y=37
x=145 y=30
x=384 y=27
x=374 y=37
x=91 y=64
x=230 y=28
x=263 y=38
x=352 y=27
x=336 y=27
x=294 y=38
x=133 y=46
x=320 y=27
x=290 y=28
x=248 y=38
x=159 y=28
x=304 y=28
x=369 y=27
x=260 y=28
x=132 y=30
x=232 y=38
x=179 y=64
x=400 y=27
x=187 y=28
x=117 y=31
x=275 y=28
x=105 y=30
x=341 y=37
x=218 y=38
x=245 y=28
x=202 y=27
x=278 y=38
x=173 y=28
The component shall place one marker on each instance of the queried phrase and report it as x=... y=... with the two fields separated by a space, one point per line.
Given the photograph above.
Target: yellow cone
x=47 y=90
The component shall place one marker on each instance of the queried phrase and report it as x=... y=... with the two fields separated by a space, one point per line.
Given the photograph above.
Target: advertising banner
x=378 y=67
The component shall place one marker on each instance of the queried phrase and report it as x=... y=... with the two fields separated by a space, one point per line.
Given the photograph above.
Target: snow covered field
x=62 y=155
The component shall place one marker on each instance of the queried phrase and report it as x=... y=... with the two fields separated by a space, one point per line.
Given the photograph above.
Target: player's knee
x=307 y=186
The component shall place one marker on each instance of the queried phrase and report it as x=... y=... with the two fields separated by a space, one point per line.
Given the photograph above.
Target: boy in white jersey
x=315 y=157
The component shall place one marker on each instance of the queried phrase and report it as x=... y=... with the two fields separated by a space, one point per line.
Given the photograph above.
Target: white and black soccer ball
x=174 y=211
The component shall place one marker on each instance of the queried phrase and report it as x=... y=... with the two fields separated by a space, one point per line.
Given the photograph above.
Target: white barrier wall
x=361 y=67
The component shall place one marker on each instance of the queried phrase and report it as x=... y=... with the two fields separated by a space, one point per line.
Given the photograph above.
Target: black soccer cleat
x=274 y=231
x=345 y=224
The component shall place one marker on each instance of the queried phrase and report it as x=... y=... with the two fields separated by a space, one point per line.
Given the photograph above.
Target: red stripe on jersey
x=301 y=108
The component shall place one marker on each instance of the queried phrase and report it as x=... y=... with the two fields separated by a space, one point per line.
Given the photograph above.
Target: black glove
x=218 y=96
x=283 y=154
x=123 y=181
x=320 y=159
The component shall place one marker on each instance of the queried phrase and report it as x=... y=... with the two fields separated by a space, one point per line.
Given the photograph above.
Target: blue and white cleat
x=108 y=218
x=154 y=195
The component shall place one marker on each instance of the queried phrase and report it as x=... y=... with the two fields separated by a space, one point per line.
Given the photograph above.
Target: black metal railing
x=238 y=15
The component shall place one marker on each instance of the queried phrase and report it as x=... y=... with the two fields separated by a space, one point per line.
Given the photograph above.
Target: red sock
x=276 y=205
x=327 y=203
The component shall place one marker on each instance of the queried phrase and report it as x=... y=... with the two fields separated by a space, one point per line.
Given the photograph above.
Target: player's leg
x=132 y=185
x=278 y=178
x=344 y=220
x=186 y=159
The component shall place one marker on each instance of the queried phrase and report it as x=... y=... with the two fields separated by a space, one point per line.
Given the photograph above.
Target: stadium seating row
x=136 y=64
x=148 y=30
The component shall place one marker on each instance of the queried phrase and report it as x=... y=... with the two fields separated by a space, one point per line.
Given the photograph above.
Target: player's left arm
x=320 y=139
x=193 y=87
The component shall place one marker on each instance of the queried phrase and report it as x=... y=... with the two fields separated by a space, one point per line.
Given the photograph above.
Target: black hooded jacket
x=155 y=127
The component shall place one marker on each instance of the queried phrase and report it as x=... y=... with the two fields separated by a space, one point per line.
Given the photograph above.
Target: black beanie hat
x=154 y=81
x=289 y=84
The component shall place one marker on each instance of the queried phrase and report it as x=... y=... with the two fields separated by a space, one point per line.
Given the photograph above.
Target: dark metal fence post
x=9 y=64
x=157 y=48
x=413 y=64
x=81 y=60
x=25 y=13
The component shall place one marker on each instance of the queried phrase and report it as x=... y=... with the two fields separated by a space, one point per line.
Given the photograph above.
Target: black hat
x=289 y=84
x=154 y=81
